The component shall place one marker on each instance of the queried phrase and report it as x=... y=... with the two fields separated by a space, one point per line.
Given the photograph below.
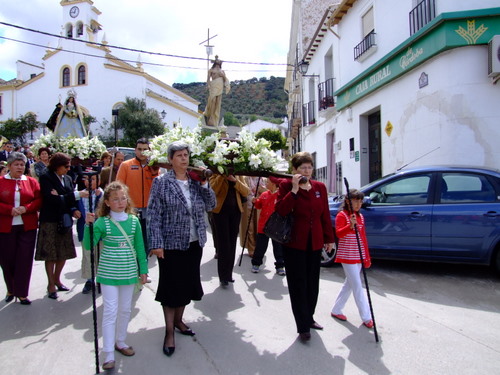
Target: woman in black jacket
x=55 y=244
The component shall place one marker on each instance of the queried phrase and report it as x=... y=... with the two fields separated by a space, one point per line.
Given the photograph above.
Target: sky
x=255 y=31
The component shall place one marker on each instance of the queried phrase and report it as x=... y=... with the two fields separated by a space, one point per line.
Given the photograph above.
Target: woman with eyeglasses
x=55 y=240
x=307 y=201
x=20 y=201
x=40 y=166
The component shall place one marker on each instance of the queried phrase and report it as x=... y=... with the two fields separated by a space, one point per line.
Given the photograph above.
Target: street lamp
x=115 y=113
x=163 y=114
x=303 y=67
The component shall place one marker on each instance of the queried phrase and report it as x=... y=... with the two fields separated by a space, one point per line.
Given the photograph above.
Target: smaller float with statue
x=70 y=136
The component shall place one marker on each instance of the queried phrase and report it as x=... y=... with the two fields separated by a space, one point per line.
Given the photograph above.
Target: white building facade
x=101 y=80
x=392 y=83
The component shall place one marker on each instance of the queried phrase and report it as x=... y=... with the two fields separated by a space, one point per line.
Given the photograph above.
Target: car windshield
x=368 y=186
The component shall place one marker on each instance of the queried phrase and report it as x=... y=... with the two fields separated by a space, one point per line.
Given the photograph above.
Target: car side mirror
x=366 y=202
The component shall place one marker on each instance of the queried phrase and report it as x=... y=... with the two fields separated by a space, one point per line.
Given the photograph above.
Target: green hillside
x=262 y=97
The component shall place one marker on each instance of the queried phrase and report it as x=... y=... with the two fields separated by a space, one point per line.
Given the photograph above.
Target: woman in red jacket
x=312 y=230
x=348 y=256
x=20 y=201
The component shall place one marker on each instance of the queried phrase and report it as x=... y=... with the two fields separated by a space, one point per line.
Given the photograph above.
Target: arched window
x=66 y=77
x=69 y=30
x=82 y=79
x=79 y=29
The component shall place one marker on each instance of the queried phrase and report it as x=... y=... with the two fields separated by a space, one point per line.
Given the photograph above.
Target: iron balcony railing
x=325 y=91
x=421 y=15
x=308 y=117
x=367 y=43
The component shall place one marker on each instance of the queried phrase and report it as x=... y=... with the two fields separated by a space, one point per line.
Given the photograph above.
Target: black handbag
x=279 y=228
x=64 y=224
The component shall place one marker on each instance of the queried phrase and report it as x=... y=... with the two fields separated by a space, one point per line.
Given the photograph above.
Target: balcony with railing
x=367 y=43
x=325 y=91
x=308 y=113
x=421 y=15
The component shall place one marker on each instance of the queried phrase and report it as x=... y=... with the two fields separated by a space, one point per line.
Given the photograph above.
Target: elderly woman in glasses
x=19 y=204
x=55 y=241
x=177 y=231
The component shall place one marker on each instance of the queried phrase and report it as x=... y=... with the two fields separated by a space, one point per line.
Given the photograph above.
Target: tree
x=278 y=142
x=230 y=120
x=17 y=129
x=138 y=121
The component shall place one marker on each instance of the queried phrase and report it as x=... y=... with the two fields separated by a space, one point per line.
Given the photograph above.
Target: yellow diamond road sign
x=388 y=128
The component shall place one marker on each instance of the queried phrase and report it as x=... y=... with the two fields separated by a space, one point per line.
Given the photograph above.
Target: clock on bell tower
x=74 y=11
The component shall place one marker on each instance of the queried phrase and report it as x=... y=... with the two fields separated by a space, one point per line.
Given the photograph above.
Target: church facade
x=83 y=63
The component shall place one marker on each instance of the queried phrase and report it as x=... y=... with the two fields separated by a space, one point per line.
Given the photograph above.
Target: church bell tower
x=80 y=20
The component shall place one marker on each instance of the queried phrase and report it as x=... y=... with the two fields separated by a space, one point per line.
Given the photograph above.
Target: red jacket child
x=265 y=203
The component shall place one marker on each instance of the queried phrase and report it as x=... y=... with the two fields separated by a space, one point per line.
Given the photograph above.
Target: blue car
x=437 y=213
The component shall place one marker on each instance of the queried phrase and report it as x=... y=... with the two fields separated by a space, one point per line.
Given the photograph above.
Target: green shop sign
x=447 y=31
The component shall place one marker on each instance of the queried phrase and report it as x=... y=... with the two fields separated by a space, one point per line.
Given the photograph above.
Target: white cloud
x=247 y=31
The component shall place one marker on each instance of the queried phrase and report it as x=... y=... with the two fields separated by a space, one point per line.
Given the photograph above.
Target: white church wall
x=107 y=83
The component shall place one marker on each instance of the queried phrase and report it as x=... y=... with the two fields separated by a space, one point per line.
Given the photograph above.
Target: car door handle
x=491 y=214
x=416 y=215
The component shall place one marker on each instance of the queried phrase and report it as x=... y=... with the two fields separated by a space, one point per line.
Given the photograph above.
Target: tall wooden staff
x=92 y=270
x=349 y=205
x=248 y=223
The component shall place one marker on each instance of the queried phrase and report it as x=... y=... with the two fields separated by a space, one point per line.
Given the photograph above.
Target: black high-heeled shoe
x=186 y=332
x=9 y=298
x=52 y=295
x=24 y=301
x=62 y=288
x=168 y=350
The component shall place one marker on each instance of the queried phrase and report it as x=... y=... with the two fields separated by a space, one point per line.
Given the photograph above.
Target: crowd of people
x=131 y=211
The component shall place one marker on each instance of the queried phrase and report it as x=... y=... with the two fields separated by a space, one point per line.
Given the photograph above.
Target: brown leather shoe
x=128 y=351
x=108 y=365
x=316 y=325
x=304 y=336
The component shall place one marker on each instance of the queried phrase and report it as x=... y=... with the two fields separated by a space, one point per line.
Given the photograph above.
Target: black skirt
x=52 y=246
x=180 y=282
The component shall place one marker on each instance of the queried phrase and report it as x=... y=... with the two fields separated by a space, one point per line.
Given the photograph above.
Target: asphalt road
x=431 y=319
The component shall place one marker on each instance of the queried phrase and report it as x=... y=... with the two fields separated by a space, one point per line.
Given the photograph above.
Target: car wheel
x=328 y=259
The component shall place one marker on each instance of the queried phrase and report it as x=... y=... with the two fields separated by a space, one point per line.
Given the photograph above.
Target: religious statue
x=216 y=82
x=52 y=122
x=70 y=119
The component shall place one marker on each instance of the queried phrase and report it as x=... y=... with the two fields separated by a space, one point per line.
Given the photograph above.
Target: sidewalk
x=248 y=328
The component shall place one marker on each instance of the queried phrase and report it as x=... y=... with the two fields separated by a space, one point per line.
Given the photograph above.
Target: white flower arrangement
x=222 y=155
x=81 y=148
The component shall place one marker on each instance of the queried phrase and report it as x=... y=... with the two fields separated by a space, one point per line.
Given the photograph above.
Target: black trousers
x=302 y=274
x=261 y=248
x=227 y=227
x=16 y=259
